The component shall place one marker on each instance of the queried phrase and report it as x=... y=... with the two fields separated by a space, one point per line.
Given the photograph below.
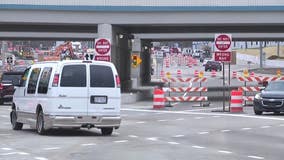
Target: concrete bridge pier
x=120 y=51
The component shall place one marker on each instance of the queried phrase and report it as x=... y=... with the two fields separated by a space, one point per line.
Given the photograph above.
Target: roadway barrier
x=236 y=104
x=179 y=73
x=178 y=90
x=196 y=72
x=158 y=99
x=234 y=76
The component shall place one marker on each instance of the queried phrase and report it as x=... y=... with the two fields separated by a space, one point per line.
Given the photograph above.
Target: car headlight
x=258 y=96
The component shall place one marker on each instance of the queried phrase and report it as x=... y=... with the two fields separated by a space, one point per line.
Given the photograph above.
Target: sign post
x=102 y=49
x=223 y=51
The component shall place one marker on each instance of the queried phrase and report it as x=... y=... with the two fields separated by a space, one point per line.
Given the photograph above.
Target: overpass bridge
x=87 y=20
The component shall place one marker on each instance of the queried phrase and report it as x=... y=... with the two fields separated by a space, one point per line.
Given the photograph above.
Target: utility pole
x=278 y=49
x=260 y=55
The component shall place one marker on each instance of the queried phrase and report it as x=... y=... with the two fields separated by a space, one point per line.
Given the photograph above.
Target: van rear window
x=73 y=76
x=101 y=76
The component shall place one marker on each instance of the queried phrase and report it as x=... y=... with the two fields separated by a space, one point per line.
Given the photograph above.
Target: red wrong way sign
x=223 y=42
x=102 y=46
x=223 y=56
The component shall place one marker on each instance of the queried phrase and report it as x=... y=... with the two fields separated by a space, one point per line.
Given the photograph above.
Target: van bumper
x=55 y=121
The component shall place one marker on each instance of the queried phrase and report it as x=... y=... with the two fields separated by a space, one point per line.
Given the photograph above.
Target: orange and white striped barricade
x=179 y=90
x=213 y=73
x=158 y=99
x=236 y=104
x=247 y=89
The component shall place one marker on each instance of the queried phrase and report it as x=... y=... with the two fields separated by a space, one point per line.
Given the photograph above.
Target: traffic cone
x=179 y=73
x=196 y=73
x=158 y=99
x=213 y=73
x=234 y=76
x=162 y=74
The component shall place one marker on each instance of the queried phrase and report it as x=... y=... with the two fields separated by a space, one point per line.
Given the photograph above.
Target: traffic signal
x=134 y=60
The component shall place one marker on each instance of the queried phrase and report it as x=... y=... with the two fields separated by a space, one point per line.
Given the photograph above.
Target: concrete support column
x=278 y=48
x=106 y=31
x=260 y=55
x=146 y=65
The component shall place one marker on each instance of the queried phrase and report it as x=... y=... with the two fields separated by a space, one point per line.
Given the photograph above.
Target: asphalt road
x=180 y=132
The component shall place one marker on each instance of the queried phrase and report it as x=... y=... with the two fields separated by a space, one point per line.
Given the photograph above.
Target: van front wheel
x=15 y=125
x=106 y=131
x=40 y=123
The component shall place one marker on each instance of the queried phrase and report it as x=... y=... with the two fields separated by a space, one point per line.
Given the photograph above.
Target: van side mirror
x=261 y=88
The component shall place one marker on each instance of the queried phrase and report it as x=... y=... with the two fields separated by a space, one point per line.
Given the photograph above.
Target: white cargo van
x=71 y=94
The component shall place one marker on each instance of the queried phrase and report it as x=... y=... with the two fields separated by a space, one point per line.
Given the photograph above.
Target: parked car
x=213 y=65
x=271 y=99
x=8 y=80
x=71 y=94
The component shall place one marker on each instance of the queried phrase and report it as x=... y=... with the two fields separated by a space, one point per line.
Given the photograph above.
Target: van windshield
x=101 y=76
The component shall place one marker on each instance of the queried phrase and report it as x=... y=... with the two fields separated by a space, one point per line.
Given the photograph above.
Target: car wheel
x=106 y=131
x=257 y=112
x=15 y=125
x=40 y=123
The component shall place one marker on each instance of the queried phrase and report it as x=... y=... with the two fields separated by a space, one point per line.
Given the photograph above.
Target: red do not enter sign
x=102 y=46
x=223 y=42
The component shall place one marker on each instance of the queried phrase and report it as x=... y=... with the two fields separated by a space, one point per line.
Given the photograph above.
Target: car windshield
x=275 y=86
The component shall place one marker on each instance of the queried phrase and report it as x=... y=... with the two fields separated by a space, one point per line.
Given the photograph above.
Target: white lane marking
x=208 y=109
x=4 y=116
x=225 y=152
x=163 y=120
x=121 y=141
x=140 y=122
x=281 y=125
x=132 y=136
x=12 y=153
x=23 y=153
x=216 y=116
x=180 y=119
x=173 y=143
x=265 y=126
x=152 y=138
x=6 y=123
x=203 y=132
x=198 y=147
x=51 y=148
x=6 y=149
x=256 y=157
x=245 y=128
x=159 y=113
x=226 y=130
x=208 y=114
x=116 y=133
x=177 y=136
x=40 y=158
x=198 y=117
x=88 y=144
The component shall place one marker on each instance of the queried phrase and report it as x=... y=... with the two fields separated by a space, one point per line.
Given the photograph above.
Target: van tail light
x=1 y=86
x=117 y=81
x=55 y=80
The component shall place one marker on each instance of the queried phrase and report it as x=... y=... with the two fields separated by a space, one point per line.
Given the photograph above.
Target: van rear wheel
x=106 y=131
x=40 y=123
x=15 y=125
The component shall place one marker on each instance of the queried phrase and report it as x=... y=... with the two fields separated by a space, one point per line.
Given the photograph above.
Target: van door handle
x=62 y=95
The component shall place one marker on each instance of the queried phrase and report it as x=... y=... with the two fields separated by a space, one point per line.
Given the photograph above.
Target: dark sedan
x=271 y=99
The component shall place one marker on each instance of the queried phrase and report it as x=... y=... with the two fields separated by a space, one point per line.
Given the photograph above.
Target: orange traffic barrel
x=236 y=101
x=158 y=99
x=213 y=73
